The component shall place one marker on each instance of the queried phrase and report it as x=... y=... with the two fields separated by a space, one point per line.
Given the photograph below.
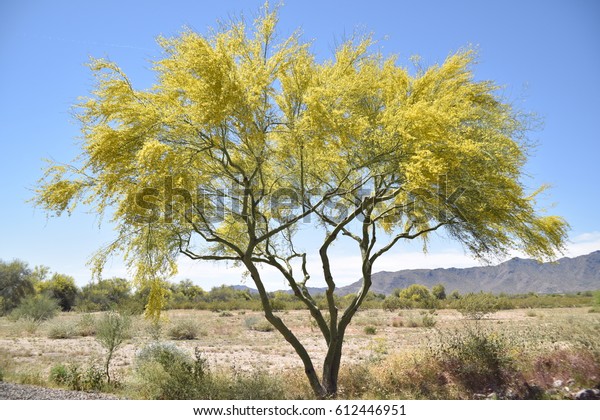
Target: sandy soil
x=227 y=342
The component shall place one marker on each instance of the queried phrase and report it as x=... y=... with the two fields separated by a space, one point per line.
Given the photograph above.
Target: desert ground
x=227 y=342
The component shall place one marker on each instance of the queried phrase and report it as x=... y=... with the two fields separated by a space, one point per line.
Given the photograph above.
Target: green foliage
x=439 y=291
x=166 y=372
x=391 y=303
x=111 y=331
x=477 y=305
x=370 y=330
x=183 y=330
x=15 y=284
x=78 y=379
x=104 y=295
x=415 y=292
x=37 y=308
x=454 y=295
x=240 y=107
x=423 y=320
x=254 y=385
x=479 y=360
x=62 y=288
x=596 y=296
x=185 y=295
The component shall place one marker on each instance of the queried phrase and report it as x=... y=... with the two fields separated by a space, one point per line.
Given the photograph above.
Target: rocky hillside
x=514 y=276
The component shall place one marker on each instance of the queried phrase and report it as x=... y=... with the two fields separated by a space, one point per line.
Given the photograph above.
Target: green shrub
x=439 y=291
x=184 y=330
x=78 y=379
x=86 y=326
x=104 y=295
x=37 y=308
x=478 y=360
x=59 y=374
x=112 y=330
x=25 y=326
x=255 y=385
x=16 y=283
x=424 y=320
x=62 y=288
x=255 y=323
x=370 y=330
x=166 y=372
x=477 y=305
x=61 y=331
x=428 y=321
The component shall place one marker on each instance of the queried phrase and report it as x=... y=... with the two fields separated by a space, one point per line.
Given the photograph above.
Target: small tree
x=246 y=136
x=105 y=294
x=62 y=288
x=439 y=291
x=15 y=284
x=477 y=305
x=111 y=331
x=37 y=308
x=415 y=293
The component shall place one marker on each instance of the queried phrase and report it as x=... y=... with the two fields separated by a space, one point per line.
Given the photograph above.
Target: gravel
x=10 y=391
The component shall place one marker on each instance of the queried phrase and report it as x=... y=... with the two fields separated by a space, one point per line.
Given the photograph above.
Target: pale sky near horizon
x=546 y=54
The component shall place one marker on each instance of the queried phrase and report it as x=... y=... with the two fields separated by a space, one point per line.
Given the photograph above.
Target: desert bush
x=370 y=330
x=423 y=320
x=37 y=308
x=575 y=364
x=77 y=378
x=256 y=323
x=166 y=372
x=397 y=322
x=183 y=330
x=25 y=326
x=477 y=359
x=62 y=288
x=596 y=298
x=477 y=305
x=416 y=296
x=61 y=331
x=104 y=295
x=254 y=385
x=16 y=283
x=86 y=326
x=414 y=375
x=439 y=291
x=111 y=331
x=428 y=320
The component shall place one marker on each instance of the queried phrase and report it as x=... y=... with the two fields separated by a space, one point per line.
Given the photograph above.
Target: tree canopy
x=245 y=135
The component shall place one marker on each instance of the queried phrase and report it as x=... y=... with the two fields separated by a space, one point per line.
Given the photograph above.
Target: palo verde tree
x=245 y=136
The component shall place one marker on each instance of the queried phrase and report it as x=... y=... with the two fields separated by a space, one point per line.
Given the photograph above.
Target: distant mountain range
x=517 y=275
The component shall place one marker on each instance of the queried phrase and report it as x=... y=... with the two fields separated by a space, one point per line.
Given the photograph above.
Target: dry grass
x=230 y=345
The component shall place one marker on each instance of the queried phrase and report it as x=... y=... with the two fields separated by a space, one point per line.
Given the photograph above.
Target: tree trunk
x=331 y=366
x=289 y=336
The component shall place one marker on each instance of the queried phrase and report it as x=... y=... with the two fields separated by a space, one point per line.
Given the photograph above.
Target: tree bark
x=289 y=336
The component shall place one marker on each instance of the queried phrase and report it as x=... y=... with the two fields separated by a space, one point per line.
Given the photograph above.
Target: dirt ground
x=228 y=343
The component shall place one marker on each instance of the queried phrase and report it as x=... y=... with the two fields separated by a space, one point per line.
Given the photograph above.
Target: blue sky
x=545 y=53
